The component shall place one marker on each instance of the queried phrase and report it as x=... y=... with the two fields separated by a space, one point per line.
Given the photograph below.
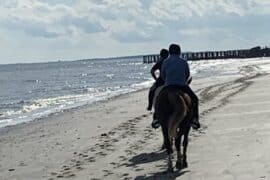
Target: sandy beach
x=114 y=140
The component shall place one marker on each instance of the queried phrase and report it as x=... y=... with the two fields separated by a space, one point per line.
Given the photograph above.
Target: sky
x=51 y=30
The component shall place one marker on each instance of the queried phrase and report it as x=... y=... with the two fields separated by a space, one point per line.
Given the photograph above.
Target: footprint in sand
x=111 y=133
x=67 y=174
x=91 y=159
x=22 y=164
x=123 y=136
x=141 y=142
x=73 y=160
x=115 y=140
x=123 y=158
x=79 y=168
x=53 y=173
x=70 y=175
x=66 y=169
x=92 y=149
x=60 y=176
x=104 y=135
x=101 y=154
x=113 y=163
x=139 y=169
x=107 y=172
x=127 y=178
x=125 y=174
x=129 y=152
x=131 y=133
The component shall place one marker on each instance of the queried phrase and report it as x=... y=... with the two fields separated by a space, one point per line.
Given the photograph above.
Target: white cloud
x=83 y=27
x=41 y=19
x=258 y=7
x=178 y=9
x=52 y=20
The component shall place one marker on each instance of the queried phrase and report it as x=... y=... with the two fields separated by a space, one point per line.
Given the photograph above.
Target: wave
x=43 y=107
x=32 y=81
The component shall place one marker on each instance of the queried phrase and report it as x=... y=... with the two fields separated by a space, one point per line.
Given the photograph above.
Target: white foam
x=43 y=107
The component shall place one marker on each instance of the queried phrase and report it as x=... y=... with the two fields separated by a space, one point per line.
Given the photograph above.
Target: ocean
x=31 y=91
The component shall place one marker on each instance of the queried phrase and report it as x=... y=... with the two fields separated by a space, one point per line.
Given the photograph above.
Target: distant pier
x=228 y=54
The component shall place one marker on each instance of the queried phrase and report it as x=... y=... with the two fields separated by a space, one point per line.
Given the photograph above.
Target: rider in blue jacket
x=175 y=72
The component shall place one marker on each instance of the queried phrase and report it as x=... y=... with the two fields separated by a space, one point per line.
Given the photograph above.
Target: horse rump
x=171 y=108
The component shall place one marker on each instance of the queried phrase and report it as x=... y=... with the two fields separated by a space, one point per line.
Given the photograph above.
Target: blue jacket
x=175 y=71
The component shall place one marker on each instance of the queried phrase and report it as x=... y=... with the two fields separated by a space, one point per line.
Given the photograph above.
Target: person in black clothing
x=158 y=80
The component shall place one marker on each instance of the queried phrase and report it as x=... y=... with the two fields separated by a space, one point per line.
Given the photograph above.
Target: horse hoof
x=163 y=147
x=155 y=125
x=184 y=165
x=181 y=165
x=170 y=169
x=178 y=165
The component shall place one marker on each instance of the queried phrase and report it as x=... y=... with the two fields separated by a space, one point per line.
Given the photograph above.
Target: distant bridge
x=228 y=54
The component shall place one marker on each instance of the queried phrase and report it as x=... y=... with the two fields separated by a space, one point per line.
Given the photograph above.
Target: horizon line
x=113 y=57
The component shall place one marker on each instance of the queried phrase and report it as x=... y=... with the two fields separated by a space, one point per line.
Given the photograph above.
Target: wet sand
x=114 y=140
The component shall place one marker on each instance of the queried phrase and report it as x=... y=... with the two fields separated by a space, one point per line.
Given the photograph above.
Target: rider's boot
x=155 y=123
x=195 y=120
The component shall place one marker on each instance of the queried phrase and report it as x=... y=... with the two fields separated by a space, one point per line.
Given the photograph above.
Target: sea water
x=31 y=91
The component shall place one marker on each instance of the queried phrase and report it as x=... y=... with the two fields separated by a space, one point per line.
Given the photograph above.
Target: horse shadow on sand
x=144 y=158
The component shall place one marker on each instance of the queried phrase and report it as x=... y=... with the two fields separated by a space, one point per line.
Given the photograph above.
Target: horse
x=173 y=110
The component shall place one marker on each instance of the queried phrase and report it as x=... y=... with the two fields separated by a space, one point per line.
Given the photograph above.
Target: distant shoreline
x=255 y=52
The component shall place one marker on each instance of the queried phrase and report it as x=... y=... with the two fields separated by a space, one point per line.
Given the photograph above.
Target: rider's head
x=164 y=53
x=175 y=49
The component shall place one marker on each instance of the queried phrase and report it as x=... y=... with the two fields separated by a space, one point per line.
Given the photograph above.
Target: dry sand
x=114 y=140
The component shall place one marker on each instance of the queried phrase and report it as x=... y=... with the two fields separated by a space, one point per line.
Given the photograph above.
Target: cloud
x=40 y=19
x=77 y=26
x=176 y=10
x=51 y=20
x=34 y=29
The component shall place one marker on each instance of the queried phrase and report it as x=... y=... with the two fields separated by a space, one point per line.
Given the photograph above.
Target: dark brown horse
x=173 y=111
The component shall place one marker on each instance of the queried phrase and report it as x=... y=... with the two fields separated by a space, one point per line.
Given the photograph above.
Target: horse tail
x=180 y=109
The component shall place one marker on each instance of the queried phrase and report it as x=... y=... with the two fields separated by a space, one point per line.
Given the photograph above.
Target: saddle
x=178 y=90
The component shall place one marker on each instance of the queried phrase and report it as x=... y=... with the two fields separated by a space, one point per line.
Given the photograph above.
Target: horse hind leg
x=174 y=121
x=179 y=163
x=168 y=145
x=170 y=166
x=163 y=146
x=185 y=144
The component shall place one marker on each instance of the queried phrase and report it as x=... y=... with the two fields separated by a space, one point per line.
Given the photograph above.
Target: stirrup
x=155 y=124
